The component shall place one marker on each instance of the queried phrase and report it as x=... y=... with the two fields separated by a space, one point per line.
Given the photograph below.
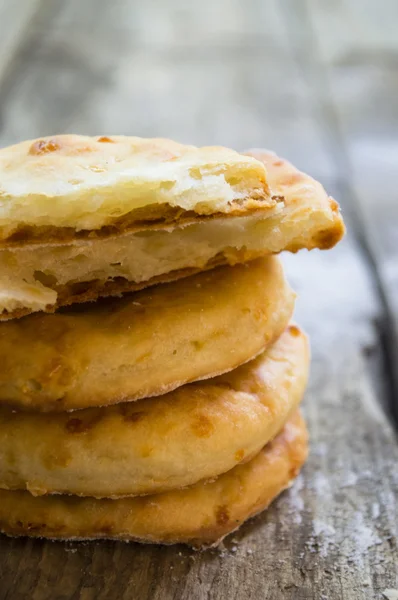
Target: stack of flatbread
x=150 y=375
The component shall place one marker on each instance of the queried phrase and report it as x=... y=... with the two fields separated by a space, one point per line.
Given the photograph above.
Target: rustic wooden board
x=240 y=74
x=16 y=19
x=362 y=77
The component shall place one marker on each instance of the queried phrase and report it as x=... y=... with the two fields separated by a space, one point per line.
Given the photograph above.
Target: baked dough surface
x=196 y=432
x=200 y=515
x=145 y=344
x=60 y=186
x=44 y=277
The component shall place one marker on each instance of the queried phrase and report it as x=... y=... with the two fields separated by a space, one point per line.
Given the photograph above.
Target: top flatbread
x=43 y=277
x=70 y=185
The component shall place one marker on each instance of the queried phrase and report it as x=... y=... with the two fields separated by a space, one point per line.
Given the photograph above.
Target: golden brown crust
x=104 y=353
x=302 y=196
x=195 y=432
x=199 y=516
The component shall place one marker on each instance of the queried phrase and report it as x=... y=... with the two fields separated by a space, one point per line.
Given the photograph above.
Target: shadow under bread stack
x=166 y=409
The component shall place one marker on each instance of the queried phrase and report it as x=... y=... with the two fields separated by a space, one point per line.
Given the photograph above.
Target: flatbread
x=196 y=432
x=199 y=516
x=43 y=277
x=66 y=186
x=145 y=344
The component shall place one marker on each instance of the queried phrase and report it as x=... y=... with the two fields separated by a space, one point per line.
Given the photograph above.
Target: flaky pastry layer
x=45 y=277
x=66 y=185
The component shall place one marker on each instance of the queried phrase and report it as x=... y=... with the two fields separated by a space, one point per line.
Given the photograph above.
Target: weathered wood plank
x=222 y=72
x=15 y=20
x=361 y=79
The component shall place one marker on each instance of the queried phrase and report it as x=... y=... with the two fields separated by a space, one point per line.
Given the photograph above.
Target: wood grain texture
x=15 y=21
x=246 y=74
x=362 y=77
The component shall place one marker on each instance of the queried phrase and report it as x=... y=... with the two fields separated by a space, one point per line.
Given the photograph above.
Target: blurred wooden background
x=317 y=81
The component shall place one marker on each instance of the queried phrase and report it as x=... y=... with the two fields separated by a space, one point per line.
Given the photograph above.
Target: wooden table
x=317 y=81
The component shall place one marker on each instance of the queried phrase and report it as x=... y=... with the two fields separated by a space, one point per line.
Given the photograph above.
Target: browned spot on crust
x=106 y=528
x=239 y=455
x=294 y=331
x=60 y=458
x=334 y=205
x=76 y=425
x=328 y=238
x=222 y=515
x=292 y=179
x=202 y=426
x=146 y=451
x=198 y=345
x=106 y=139
x=43 y=147
x=278 y=163
x=167 y=155
x=131 y=417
